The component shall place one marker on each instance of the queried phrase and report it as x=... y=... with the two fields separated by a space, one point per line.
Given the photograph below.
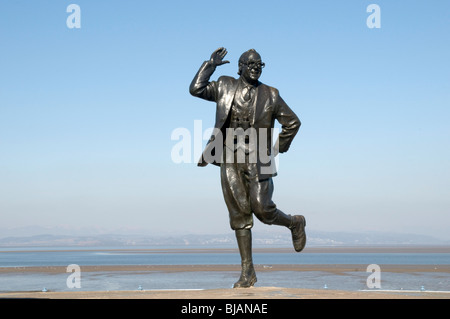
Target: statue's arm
x=290 y=124
x=200 y=85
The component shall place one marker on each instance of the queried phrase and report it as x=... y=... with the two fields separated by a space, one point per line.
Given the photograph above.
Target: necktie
x=248 y=93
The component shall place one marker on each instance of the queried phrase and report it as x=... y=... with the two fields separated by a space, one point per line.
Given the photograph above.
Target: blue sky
x=86 y=115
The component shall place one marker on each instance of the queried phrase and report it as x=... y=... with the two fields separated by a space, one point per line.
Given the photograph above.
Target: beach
x=257 y=292
x=45 y=277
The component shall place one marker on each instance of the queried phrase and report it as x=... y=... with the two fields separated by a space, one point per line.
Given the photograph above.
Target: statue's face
x=252 y=69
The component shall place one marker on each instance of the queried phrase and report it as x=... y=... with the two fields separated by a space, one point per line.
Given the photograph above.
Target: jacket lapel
x=258 y=107
x=229 y=97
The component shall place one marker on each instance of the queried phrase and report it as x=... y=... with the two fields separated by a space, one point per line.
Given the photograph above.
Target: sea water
x=30 y=258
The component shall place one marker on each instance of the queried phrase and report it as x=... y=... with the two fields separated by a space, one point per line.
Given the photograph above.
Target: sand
x=335 y=269
x=248 y=293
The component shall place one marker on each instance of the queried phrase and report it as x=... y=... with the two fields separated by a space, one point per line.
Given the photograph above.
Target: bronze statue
x=241 y=144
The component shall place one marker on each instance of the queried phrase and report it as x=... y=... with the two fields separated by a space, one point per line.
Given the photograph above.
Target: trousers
x=245 y=195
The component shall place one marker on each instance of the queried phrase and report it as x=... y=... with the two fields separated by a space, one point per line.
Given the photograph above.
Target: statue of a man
x=241 y=145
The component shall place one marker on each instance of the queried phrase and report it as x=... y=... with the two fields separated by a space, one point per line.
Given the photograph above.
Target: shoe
x=298 y=232
x=248 y=277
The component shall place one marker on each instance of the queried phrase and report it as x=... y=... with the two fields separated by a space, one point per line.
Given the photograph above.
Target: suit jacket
x=268 y=107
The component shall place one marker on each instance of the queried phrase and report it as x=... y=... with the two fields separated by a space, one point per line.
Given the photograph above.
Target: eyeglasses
x=253 y=65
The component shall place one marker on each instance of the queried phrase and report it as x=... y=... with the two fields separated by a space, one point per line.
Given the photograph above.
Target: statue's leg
x=266 y=211
x=235 y=192
x=248 y=275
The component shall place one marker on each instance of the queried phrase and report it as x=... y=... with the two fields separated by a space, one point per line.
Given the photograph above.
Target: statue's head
x=250 y=66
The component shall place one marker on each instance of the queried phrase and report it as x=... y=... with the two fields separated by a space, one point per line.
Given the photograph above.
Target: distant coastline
x=445 y=249
x=39 y=237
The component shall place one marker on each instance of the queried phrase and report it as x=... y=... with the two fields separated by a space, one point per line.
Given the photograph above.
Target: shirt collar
x=246 y=84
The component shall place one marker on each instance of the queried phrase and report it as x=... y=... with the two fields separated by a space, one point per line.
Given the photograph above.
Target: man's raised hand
x=218 y=55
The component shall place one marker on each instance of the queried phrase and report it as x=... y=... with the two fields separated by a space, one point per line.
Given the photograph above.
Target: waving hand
x=218 y=55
